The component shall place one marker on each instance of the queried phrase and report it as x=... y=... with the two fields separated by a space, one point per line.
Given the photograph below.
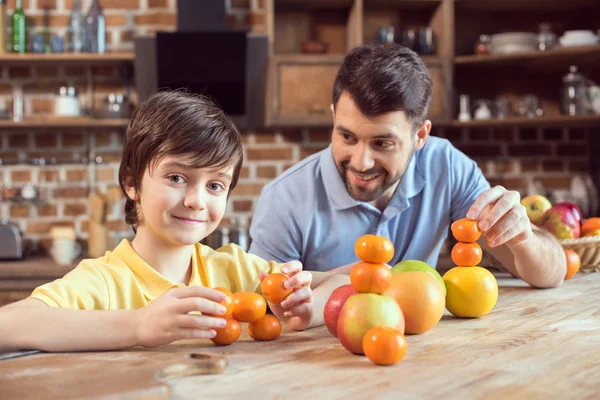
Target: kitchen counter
x=534 y=344
x=18 y=278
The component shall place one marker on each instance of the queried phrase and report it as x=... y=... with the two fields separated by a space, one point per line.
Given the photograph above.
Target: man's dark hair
x=385 y=77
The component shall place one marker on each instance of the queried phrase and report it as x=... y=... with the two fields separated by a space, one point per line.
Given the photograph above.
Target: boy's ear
x=132 y=194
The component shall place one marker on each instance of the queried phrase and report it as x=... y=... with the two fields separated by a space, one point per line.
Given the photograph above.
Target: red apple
x=561 y=222
x=536 y=206
x=364 y=311
x=574 y=209
x=334 y=306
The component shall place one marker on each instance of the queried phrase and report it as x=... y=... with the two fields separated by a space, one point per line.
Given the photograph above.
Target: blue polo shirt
x=307 y=214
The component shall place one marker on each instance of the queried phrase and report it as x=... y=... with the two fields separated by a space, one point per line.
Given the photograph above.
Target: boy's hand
x=297 y=308
x=167 y=318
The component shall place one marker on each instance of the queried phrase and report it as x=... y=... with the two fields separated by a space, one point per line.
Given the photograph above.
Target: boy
x=181 y=158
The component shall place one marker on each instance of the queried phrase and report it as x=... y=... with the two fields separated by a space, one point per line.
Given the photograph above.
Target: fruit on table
x=228 y=303
x=248 y=307
x=536 y=206
x=466 y=230
x=591 y=227
x=466 y=254
x=229 y=334
x=561 y=222
x=370 y=278
x=384 y=345
x=374 y=249
x=573 y=263
x=472 y=291
x=362 y=312
x=266 y=328
x=421 y=299
x=416 y=265
x=273 y=289
x=334 y=305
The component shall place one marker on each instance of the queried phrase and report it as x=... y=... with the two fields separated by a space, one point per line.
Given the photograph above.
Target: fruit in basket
x=561 y=222
x=591 y=227
x=574 y=209
x=364 y=311
x=536 y=206
x=573 y=263
x=334 y=305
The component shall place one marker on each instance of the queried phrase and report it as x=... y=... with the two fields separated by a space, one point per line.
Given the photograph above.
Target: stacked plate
x=514 y=42
x=578 y=38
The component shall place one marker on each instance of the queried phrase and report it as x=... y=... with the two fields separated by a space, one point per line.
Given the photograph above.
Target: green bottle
x=19 y=29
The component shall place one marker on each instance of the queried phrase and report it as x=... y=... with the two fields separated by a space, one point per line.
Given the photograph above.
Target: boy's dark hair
x=177 y=123
x=385 y=77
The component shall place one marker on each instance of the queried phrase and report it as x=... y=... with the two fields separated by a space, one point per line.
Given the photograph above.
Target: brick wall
x=507 y=156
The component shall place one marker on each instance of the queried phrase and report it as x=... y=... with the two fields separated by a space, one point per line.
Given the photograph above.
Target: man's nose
x=362 y=159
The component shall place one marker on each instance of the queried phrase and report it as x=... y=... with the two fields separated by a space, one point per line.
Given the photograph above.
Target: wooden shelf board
x=567 y=53
x=531 y=6
x=85 y=58
x=308 y=58
x=402 y=4
x=306 y=5
x=560 y=120
x=65 y=123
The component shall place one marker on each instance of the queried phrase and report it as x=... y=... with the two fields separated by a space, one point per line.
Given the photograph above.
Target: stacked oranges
x=472 y=291
x=250 y=308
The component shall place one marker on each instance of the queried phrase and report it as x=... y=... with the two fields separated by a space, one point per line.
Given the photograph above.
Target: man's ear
x=332 y=108
x=422 y=134
x=132 y=194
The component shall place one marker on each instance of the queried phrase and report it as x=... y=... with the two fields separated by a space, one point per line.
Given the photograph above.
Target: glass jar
x=483 y=46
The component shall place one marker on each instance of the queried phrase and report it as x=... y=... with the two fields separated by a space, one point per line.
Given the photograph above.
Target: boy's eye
x=176 y=178
x=217 y=187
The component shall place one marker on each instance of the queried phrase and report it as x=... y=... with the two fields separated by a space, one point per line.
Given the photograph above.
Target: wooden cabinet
x=299 y=85
x=300 y=90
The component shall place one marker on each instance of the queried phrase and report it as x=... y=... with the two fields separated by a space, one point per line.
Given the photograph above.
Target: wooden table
x=534 y=344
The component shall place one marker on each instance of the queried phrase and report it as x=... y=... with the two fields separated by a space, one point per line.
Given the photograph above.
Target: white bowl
x=567 y=41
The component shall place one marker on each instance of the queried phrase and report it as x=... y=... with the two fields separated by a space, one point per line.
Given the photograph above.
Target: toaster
x=11 y=243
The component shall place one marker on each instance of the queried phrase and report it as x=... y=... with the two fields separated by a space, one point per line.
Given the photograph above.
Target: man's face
x=372 y=154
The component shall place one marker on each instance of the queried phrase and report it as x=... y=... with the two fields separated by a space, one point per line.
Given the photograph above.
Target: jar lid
x=573 y=76
x=67 y=91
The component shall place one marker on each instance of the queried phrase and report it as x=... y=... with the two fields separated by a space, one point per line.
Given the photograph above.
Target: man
x=384 y=175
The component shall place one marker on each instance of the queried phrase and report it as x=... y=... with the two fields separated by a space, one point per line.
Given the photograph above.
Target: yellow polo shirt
x=121 y=279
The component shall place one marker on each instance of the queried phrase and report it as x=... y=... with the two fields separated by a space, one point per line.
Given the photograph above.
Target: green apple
x=416 y=265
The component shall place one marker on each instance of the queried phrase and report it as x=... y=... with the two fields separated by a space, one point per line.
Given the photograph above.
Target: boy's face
x=181 y=205
x=372 y=153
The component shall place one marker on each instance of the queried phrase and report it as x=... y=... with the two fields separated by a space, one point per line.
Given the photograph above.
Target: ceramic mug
x=65 y=251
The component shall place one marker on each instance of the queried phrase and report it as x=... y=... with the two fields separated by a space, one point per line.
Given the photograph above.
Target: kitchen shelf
x=559 y=120
x=530 y=6
x=567 y=55
x=79 y=122
x=66 y=58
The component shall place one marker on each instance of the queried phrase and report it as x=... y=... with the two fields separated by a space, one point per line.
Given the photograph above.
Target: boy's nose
x=195 y=199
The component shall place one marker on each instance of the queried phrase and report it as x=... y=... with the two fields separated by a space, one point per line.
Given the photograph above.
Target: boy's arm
x=31 y=324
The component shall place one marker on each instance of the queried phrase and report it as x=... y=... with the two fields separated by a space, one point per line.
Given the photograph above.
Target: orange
x=573 y=263
x=228 y=303
x=421 y=298
x=370 y=278
x=229 y=334
x=248 y=306
x=466 y=254
x=272 y=288
x=266 y=328
x=374 y=249
x=466 y=230
x=471 y=292
x=590 y=225
x=384 y=345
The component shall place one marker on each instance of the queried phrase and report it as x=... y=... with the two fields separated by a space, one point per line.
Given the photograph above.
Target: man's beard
x=368 y=195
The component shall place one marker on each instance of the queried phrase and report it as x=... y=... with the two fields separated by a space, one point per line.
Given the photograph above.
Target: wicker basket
x=588 y=249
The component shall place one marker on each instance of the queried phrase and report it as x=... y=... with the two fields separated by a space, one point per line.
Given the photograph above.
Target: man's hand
x=501 y=217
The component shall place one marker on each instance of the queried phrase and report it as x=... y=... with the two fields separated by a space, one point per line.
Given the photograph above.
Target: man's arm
x=540 y=261
x=324 y=283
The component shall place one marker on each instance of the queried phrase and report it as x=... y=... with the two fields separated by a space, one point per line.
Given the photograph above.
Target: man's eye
x=345 y=136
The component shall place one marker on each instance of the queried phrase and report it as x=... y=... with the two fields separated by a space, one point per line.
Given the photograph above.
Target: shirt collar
x=151 y=282
x=412 y=183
